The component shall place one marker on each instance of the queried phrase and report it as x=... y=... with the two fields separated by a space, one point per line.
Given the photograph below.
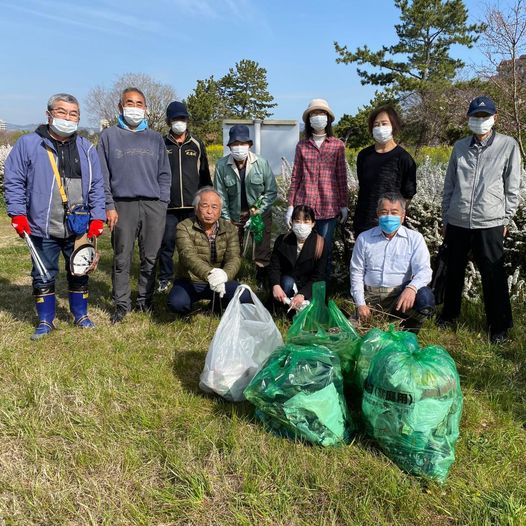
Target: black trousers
x=487 y=246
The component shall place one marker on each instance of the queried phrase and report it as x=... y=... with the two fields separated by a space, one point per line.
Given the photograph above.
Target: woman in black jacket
x=382 y=168
x=299 y=259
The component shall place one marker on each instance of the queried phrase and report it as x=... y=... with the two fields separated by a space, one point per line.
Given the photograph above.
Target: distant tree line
x=242 y=93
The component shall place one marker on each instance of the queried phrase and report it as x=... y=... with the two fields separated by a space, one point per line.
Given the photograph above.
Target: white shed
x=273 y=139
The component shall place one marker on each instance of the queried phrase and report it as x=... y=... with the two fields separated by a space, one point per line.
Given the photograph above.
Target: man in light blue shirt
x=390 y=268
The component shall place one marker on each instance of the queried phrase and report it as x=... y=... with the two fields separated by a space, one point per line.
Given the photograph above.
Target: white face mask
x=178 y=127
x=63 y=128
x=382 y=134
x=240 y=152
x=302 y=230
x=481 y=125
x=133 y=116
x=318 y=122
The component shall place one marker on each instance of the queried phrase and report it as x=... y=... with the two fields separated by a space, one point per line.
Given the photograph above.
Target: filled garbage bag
x=299 y=393
x=321 y=324
x=375 y=341
x=244 y=339
x=412 y=406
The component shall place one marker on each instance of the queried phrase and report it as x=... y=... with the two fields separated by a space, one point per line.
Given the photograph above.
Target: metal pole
x=42 y=270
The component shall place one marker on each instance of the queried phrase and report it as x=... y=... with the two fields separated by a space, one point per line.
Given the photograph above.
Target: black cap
x=176 y=109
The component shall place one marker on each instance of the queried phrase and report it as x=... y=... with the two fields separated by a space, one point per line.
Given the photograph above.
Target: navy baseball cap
x=482 y=105
x=176 y=109
x=239 y=132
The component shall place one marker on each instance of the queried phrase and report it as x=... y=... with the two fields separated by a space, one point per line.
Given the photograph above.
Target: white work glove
x=288 y=216
x=220 y=289
x=344 y=214
x=216 y=276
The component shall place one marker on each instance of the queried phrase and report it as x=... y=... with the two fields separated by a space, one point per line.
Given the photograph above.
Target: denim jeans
x=49 y=251
x=185 y=292
x=325 y=228
x=287 y=284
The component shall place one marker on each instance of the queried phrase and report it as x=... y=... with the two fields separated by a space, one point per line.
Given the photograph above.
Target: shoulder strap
x=320 y=242
x=58 y=179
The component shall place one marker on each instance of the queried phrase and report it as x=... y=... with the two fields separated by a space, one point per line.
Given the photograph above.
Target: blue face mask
x=389 y=224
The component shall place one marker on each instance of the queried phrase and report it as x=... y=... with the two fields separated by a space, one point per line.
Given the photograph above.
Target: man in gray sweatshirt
x=137 y=184
x=481 y=195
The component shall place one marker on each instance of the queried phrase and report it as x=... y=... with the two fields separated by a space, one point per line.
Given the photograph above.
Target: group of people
x=158 y=190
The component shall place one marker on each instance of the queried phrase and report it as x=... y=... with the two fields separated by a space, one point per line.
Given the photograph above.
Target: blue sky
x=57 y=45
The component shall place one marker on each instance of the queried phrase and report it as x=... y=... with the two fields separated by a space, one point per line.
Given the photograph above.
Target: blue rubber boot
x=78 y=305
x=45 y=304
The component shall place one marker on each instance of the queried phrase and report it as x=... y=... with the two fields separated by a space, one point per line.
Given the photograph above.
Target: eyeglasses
x=62 y=113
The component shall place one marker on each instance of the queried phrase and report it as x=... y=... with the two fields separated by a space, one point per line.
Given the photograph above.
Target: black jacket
x=190 y=170
x=305 y=269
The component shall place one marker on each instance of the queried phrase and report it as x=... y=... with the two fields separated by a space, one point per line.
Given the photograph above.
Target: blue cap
x=239 y=132
x=176 y=109
x=482 y=105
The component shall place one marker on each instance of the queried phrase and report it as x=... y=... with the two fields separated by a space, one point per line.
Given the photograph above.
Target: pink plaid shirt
x=319 y=177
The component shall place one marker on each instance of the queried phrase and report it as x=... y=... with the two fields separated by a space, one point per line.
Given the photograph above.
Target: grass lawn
x=109 y=427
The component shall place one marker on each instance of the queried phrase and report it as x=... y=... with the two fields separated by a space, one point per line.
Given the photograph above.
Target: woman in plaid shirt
x=319 y=176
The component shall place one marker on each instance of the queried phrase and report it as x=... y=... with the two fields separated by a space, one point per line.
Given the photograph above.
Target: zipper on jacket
x=473 y=189
x=181 y=176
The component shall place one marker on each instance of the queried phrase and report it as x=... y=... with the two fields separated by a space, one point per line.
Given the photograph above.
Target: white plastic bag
x=243 y=341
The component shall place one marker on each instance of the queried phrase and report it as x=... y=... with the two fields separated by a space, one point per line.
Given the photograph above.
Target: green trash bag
x=412 y=406
x=375 y=341
x=319 y=324
x=257 y=227
x=299 y=393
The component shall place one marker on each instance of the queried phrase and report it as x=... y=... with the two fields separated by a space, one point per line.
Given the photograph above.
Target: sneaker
x=163 y=286
x=498 y=338
x=118 y=315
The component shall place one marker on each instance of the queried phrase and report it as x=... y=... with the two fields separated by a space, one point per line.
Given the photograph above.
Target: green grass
x=109 y=427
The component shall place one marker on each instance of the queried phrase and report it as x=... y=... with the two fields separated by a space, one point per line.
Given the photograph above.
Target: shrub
x=4 y=152
x=214 y=153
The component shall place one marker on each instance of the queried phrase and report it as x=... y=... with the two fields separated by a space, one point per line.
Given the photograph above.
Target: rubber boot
x=45 y=304
x=78 y=305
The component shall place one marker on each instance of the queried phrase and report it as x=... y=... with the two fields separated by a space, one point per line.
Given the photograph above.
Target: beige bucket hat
x=318 y=104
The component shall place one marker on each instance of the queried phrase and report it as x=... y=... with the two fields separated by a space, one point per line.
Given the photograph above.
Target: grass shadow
x=18 y=301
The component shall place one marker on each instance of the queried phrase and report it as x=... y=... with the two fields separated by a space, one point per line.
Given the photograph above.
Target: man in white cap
x=481 y=195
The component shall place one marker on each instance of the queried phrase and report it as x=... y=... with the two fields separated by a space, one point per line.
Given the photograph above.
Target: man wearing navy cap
x=481 y=195
x=247 y=186
x=190 y=172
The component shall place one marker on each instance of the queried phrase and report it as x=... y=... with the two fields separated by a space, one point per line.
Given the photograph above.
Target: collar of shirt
x=488 y=141
x=402 y=232
x=215 y=229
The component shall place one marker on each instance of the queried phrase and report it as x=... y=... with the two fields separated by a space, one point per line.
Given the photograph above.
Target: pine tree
x=421 y=59
x=245 y=91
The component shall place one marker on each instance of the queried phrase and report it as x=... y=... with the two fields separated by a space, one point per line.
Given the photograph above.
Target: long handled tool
x=42 y=270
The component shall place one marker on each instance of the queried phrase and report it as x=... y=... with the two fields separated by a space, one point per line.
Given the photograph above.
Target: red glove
x=95 y=229
x=21 y=225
